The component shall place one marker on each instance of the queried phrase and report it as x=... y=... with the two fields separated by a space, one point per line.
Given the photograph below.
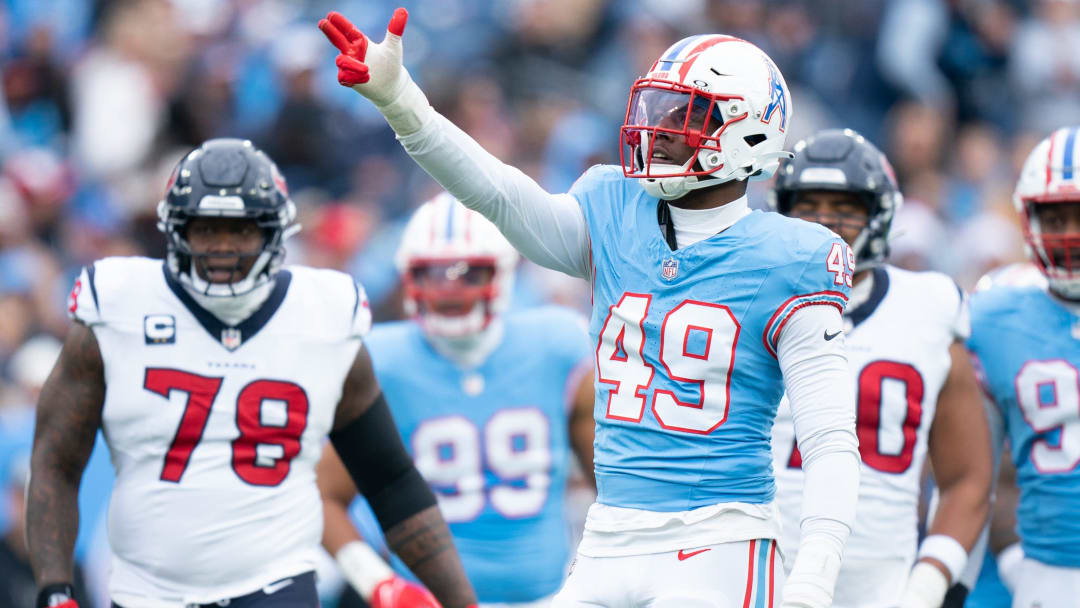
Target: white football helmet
x=739 y=108
x=456 y=267
x=1051 y=175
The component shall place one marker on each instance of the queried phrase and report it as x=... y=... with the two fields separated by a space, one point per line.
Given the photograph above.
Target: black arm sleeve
x=372 y=451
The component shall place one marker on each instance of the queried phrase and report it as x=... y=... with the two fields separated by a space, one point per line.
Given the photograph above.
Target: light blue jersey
x=1028 y=347
x=493 y=444
x=687 y=377
x=989 y=591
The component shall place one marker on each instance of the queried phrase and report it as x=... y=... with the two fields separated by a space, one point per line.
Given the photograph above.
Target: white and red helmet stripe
x=684 y=52
x=1063 y=161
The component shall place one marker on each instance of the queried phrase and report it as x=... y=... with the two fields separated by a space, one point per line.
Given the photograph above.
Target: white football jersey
x=898 y=343
x=215 y=431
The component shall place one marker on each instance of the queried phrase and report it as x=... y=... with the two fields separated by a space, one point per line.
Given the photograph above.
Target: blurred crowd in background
x=100 y=98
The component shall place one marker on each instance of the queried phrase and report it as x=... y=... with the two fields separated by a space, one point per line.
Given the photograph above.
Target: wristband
x=362 y=567
x=946 y=550
x=409 y=110
x=926 y=587
x=55 y=594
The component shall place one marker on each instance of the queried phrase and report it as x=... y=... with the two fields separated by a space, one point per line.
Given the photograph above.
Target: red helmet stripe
x=692 y=55
x=1050 y=161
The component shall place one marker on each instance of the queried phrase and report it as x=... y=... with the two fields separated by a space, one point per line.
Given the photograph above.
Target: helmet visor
x=1054 y=233
x=452 y=274
x=674 y=111
x=450 y=288
x=667 y=125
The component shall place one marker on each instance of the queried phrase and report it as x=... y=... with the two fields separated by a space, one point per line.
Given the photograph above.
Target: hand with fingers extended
x=373 y=70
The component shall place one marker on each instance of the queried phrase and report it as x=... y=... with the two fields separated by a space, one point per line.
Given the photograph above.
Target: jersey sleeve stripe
x=771 y=335
x=93 y=288
x=356 y=304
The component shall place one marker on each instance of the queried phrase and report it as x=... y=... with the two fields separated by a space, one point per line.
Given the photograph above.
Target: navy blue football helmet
x=228 y=178
x=842 y=160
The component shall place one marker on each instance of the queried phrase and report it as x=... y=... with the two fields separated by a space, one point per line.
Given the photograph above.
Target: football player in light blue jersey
x=702 y=312
x=489 y=404
x=1027 y=339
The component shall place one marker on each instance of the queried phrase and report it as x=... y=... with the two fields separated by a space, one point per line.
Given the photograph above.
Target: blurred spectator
x=121 y=86
x=978 y=167
x=306 y=137
x=918 y=239
x=987 y=241
x=334 y=233
x=36 y=93
x=912 y=33
x=31 y=364
x=1045 y=66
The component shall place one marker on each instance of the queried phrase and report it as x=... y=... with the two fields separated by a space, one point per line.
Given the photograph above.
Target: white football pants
x=746 y=574
x=1041 y=585
x=871 y=583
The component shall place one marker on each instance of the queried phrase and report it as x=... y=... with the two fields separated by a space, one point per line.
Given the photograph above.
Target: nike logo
x=829 y=336
x=683 y=554
x=273 y=588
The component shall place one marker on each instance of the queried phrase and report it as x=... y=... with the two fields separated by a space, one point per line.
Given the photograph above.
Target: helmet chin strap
x=671 y=188
x=232 y=302
x=466 y=350
x=233 y=310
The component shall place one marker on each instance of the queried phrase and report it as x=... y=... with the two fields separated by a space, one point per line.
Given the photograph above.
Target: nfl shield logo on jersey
x=230 y=338
x=669 y=269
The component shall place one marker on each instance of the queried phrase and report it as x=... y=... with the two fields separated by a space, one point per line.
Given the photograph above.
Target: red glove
x=56 y=595
x=374 y=70
x=397 y=592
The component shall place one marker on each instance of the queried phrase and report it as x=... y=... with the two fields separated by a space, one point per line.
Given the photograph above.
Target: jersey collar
x=880 y=287
x=232 y=336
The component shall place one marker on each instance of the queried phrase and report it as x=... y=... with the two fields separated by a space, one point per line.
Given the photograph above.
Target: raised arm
x=68 y=417
x=371 y=451
x=549 y=229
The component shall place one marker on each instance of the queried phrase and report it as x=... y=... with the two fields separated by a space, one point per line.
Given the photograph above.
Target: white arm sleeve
x=822 y=397
x=548 y=229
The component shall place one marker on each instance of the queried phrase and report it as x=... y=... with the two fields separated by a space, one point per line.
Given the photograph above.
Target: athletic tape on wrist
x=926 y=586
x=946 y=550
x=362 y=567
